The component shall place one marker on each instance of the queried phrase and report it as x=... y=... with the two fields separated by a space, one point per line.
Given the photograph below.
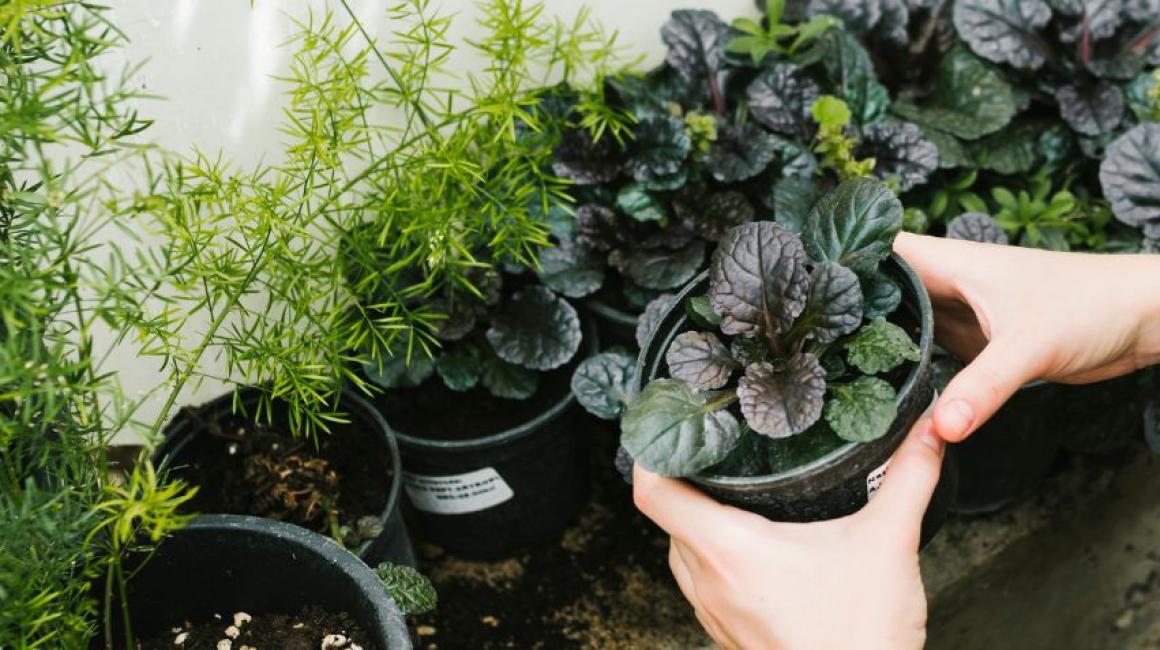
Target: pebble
x=224 y=644
x=425 y=630
x=180 y=638
x=1125 y=619
x=233 y=632
x=490 y=621
x=241 y=618
x=334 y=641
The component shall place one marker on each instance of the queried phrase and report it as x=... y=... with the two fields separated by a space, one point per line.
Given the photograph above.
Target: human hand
x=846 y=583
x=1024 y=314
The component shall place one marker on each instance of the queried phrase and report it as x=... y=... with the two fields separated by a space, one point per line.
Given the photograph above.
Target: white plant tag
x=874 y=479
x=457 y=494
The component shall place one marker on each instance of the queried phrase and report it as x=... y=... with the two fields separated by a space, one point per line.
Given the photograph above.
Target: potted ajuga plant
x=754 y=121
x=74 y=529
x=775 y=382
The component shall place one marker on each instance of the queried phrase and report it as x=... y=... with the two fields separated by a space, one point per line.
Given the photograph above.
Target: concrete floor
x=1075 y=567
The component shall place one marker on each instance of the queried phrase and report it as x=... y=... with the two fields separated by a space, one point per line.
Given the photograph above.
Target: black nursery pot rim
x=926 y=317
x=179 y=434
x=590 y=346
x=618 y=316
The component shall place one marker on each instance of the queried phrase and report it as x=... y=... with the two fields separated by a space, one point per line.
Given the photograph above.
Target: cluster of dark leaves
x=800 y=319
x=718 y=141
x=1056 y=85
x=501 y=338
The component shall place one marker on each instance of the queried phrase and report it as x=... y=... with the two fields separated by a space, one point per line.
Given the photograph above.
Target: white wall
x=213 y=63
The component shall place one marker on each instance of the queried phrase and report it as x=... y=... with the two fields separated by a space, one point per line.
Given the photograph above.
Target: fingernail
x=958 y=417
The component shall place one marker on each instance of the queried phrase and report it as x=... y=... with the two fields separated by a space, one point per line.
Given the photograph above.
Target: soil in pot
x=434 y=411
x=310 y=629
x=605 y=586
x=245 y=467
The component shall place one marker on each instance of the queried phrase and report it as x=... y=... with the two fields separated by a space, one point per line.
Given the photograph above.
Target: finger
x=977 y=392
x=928 y=257
x=683 y=576
x=681 y=510
x=910 y=481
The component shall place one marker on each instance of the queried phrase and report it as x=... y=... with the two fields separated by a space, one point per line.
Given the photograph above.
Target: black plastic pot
x=840 y=482
x=1101 y=418
x=490 y=496
x=616 y=327
x=220 y=564
x=1010 y=455
x=393 y=545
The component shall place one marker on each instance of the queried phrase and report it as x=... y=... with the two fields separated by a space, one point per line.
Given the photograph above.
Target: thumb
x=977 y=392
x=910 y=480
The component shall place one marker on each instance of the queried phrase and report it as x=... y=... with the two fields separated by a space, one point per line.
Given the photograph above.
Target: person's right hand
x=1024 y=314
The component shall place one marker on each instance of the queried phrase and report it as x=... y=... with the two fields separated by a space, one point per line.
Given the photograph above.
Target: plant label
x=874 y=480
x=457 y=494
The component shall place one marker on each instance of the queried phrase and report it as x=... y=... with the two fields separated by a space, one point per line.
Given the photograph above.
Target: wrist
x=1147 y=293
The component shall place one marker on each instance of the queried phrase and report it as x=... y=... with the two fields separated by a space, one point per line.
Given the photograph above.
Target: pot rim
x=590 y=345
x=309 y=542
x=180 y=426
x=926 y=339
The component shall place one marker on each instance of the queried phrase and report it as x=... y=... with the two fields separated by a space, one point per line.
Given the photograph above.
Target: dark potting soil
x=310 y=629
x=434 y=411
x=241 y=467
x=605 y=585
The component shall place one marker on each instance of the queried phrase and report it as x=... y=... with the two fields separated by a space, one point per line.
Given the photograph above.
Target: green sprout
x=758 y=41
x=836 y=148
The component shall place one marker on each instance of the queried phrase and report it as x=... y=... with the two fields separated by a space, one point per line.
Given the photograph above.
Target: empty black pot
x=220 y=564
x=841 y=482
x=184 y=433
x=493 y=494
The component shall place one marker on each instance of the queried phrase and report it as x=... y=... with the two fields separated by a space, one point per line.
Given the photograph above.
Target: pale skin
x=1019 y=315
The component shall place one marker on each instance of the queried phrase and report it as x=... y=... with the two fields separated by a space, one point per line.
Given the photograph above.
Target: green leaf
x=758 y=280
x=740 y=152
x=672 y=430
x=881 y=295
x=663 y=269
x=1092 y=109
x=854 y=225
x=651 y=317
x=863 y=410
x=571 y=269
x=901 y=153
x=460 y=366
x=536 y=329
x=782 y=403
x=396 y=372
x=880 y=346
x=830 y=112
x=700 y=311
x=659 y=149
x=411 y=590
x=635 y=201
x=833 y=305
x=970 y=99
x=508 y=381
x=700 y=359
x=1014 y=150
x=780 y=98
x=1004 y=31
x=603 y=382
x=1130 y=176
x=793 y=198
x=851 y=72
x=977 y=227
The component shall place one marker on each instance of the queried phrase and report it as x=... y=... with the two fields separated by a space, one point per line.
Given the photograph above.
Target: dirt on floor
x=605 y=585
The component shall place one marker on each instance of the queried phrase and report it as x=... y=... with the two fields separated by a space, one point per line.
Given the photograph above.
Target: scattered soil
x=241 y=467
x=310 y=629
x=605 y=585
x=424 y=411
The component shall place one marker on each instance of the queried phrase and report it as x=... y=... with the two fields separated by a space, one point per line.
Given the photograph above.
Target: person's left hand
x=845 y=583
